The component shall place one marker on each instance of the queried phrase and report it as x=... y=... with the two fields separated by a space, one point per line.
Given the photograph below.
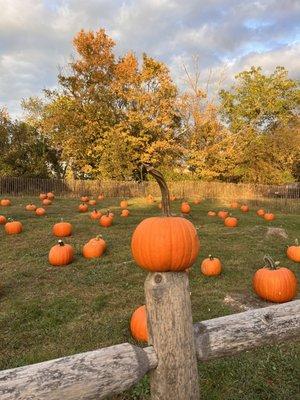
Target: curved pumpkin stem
x=270 y=263
x=210 y=257
x=61 y=243
x=165 y=195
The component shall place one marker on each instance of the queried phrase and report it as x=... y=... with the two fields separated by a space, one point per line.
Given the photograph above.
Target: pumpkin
x=185 y=207
x=223 y=214
x=62 y=229
x=40 y=211
x=293 y=252
x=30 y=207
x=94 y=248
x=261 y=212
x=197 y=200
x=50 y=196
x=269 y=216
x=234 y=204
x=43 y=196
x=165 y=243
x=138 y=324
x=92 y=202
x=231 y=222
x=244 y=208
x=82 y=208
x=211 y=213
x=123 y=204
x=101 y=196
x=61 y=254
x=84 y=199
x=2 y=220
x=274 y=284
x=13 y=227
x=95 y=214
x=47 y=202
x=211 y=266
x=125 y=213
x=106 y=220
x=100 y=239
x=5 y=202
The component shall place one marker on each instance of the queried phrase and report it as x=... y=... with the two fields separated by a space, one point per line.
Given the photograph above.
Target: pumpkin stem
x=210 y=257
x=165 y=195
x=270 y=263
x=61 y=243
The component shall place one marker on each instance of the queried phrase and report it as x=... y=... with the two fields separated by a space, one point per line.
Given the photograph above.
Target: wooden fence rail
x=101 y=373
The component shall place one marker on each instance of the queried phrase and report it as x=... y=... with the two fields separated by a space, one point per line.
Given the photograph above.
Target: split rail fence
x=174 y=347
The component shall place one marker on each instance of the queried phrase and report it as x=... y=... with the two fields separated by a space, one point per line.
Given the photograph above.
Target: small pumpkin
x=50 y=196
x=125 y=213
x=62 y=229
x=269 y=216
x=138 y=324
x=244 y=208
x=43 y=196
x=123 y=204
x=82 y=208
x=30 y=207
x=5 y=202
x=84 y=199
x=94 y=248
x=61 y=254
x=46 y=202
x=2 y=220
x=165 y=243
x=197 y=200
x=92 y=202
x=185 y=207
x=234 y=204
x=99 y=239
x=261 y=212
x=293 y=252
x=40 y=211
x=13 y=227
x=106 y=220
x=211 y=266
x=274 y=284
x=211 y=213
x=223 y=214
x=95 y=214
x=101 y=196
x=231 y=222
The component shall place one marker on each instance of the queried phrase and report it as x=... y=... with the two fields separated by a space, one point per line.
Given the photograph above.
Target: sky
x=224 y=36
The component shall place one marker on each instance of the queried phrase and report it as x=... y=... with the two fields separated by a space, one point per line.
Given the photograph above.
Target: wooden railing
x=171 y=358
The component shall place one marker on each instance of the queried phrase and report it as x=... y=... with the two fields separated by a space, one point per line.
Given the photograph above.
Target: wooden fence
x=175 y=345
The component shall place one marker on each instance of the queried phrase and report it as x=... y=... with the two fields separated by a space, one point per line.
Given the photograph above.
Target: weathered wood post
x=170 y=330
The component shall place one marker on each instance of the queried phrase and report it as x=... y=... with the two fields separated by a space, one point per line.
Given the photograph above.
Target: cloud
x=36 y=37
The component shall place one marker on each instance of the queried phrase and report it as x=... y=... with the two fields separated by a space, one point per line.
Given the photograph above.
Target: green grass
x=48 y=312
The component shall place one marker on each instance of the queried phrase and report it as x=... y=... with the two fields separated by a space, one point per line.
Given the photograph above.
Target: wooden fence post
x=170 y=331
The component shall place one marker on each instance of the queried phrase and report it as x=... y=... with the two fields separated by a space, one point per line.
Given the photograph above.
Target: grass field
x=48 y=312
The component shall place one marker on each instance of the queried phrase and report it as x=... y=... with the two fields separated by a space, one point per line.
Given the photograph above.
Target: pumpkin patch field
x=49 y=311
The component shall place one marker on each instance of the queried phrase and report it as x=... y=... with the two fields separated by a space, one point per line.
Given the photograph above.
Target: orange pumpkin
x=293 y=252
x=138 y=324
x=61 y=254
x=43 y=196
x=92 y=202
x=106 y=220
x=185 y=207
x=164 y=243
x=99 y=239
x=123 y=204
x=50 y=196
x=125 y=213
x=5 y=202
x=62 y=229
x=234 y=204
x=84 y=199
x=269 y=216
x=95 y=214
x=40 y=211
x=94 y=248
x=211 y=213
x=30 y=207
x=197 y=200
x=261 y=212
x=223 y=214
x=101 y=196
x=274 y=284
x=211 y=266
x=13 y=227
x=231 y=222
x=2 y=220
x=82 y=208
x=47 y=202
x=244 y=208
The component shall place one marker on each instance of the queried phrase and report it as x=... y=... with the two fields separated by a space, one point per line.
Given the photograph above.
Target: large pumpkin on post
x=274 y=284
x=166 y=243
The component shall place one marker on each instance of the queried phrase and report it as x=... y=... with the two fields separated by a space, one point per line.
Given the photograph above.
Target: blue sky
x=227 y=35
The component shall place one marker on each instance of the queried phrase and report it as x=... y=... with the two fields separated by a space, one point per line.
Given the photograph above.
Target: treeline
x=109 y=114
